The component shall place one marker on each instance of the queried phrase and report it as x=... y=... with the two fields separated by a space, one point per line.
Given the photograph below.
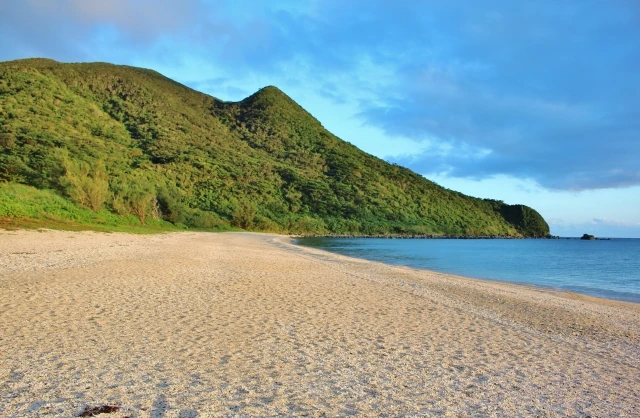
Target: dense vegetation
x=130 y=142
x=24 y=206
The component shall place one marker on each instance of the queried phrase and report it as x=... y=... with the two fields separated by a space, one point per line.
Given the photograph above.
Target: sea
x=603 y=268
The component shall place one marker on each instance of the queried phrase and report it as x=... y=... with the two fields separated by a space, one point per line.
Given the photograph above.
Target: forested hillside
x=132 y=142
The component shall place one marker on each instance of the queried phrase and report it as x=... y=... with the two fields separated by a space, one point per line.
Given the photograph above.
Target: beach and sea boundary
x=240 y=324
x=607 y=269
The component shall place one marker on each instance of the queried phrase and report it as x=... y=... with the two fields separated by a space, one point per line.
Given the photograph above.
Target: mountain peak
x=271 y=90
x=270 y=94
x=272 y=103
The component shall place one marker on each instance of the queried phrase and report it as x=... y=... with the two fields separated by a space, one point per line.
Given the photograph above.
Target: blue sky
x=528 y=102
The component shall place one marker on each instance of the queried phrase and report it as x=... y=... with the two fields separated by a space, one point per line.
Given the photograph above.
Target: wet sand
x=238 y=324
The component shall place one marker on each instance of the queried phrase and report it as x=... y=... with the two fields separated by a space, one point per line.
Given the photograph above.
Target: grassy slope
x=27 y=207
x=263 y=163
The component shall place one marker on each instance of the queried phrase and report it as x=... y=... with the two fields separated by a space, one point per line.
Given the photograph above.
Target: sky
x=527 y=102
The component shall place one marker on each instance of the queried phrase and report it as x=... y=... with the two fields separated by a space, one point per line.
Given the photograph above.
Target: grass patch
x=27 y=207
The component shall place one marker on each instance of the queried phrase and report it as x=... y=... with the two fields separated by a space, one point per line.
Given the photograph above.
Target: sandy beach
x=239 y=324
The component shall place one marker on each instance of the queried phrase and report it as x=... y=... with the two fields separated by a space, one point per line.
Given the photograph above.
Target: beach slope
x=239 y=324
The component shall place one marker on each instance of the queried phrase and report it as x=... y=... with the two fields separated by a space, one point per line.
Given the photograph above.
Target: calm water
x=608 y=269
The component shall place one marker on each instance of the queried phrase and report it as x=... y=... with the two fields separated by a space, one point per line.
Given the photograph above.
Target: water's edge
x=573 y=285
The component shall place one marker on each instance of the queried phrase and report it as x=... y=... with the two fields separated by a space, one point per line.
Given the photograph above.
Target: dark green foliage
x=168 y=152
x=526 y=220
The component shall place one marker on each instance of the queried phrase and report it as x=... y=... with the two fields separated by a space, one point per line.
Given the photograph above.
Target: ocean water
x=609 y=269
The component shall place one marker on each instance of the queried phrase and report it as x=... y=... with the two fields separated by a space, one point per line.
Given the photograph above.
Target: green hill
x=130 y=141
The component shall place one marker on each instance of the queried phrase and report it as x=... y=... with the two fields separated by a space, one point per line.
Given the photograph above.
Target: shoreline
x=480 y=285
x=423 y=236
x=606 y=295
x=242 y=324
x=447 y=237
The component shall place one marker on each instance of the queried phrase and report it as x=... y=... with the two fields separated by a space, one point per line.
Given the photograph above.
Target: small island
x=588 y=237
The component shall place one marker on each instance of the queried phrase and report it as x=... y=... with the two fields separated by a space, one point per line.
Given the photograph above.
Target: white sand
x=197 y=324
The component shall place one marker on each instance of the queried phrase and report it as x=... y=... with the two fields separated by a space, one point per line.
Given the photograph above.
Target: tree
x=244 y=215
x=142 y=200
x=85 y=184
x=134 y=195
